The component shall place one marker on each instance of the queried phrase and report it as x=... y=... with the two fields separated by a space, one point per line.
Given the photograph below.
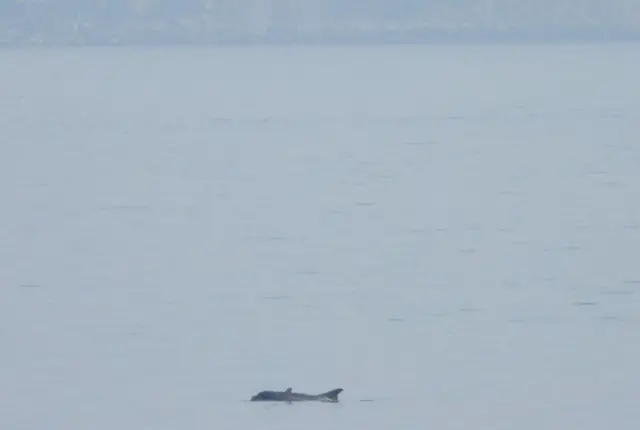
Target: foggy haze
x=153 y=22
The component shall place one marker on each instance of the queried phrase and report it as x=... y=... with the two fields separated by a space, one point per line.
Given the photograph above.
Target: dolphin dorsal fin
x=332 y=395
x=288 y=395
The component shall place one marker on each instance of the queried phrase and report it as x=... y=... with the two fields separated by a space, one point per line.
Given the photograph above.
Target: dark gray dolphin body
x=289 y=396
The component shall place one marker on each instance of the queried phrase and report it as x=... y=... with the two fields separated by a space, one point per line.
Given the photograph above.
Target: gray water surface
x=450 y=234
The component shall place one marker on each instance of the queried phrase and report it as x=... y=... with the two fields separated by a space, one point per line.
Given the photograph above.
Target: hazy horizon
x=223 y=22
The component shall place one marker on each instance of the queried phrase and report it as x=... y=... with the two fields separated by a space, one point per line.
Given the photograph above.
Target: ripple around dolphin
x=363 y=400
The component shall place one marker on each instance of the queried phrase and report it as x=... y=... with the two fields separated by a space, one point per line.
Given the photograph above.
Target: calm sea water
x=450 y=234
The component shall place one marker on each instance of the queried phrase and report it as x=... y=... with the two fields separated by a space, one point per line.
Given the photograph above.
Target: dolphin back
x=289 y=396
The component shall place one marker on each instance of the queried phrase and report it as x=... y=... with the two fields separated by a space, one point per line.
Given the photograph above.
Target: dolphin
x=289 y=396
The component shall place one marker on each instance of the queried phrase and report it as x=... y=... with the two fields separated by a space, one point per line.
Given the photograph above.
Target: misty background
x=149 y=22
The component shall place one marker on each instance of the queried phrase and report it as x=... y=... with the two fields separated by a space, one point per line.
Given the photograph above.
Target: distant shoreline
x=365 y=39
